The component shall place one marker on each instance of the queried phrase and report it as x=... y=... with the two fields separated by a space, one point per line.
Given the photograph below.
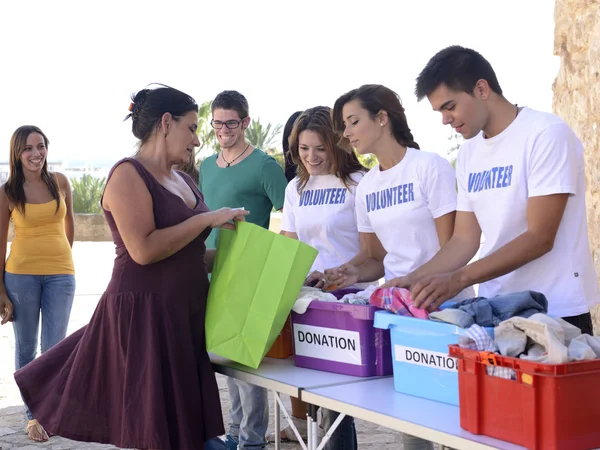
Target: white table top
x=282 y=375
x=376 y=401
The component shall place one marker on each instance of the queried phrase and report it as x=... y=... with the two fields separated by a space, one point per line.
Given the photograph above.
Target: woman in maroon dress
x=138 y=375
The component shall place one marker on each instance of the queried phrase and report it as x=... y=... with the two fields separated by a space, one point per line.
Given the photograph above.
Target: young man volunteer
x=241 y=176
x=521 y=182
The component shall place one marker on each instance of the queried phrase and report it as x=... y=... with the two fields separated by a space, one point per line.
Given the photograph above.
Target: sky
x=70 y=67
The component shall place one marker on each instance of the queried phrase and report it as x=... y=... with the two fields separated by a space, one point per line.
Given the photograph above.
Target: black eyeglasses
x=231 y=124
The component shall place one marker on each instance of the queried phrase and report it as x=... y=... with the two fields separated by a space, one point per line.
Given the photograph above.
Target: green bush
x=87 y=192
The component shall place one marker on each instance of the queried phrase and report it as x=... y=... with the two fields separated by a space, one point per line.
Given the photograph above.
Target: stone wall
x=577 y=97
x=88 y=227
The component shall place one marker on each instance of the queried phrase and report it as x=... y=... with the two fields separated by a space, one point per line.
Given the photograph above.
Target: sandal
x=36 y=432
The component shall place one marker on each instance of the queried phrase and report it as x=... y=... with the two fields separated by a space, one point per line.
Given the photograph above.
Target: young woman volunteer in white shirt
x=405 y=205
x=319 y=210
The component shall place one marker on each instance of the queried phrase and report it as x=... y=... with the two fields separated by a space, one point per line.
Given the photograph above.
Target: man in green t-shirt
x=241 y=175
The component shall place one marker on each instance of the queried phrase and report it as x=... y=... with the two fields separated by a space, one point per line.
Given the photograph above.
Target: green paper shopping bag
x=256 y=278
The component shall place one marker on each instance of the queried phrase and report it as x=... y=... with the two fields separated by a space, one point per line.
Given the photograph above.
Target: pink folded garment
x=398 y=301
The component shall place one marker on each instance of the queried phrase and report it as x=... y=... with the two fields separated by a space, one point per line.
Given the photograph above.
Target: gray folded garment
x=454 y=316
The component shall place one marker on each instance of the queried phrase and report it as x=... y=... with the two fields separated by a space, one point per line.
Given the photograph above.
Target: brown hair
x=231 y=100
x=14 y=186
x=191 y=168
x=343 y=162
x=375 y=98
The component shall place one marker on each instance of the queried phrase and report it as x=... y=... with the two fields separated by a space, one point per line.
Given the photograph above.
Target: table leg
x=330 y=432
x=312 y=427
x=277 y=421
x=291 y=422
x=309 y=436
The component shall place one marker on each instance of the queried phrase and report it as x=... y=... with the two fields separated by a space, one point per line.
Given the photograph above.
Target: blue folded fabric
x=489 y=312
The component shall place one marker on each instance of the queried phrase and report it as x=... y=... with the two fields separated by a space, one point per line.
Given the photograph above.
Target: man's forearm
x=453 y=256
x=360 y=258
x=518 y=252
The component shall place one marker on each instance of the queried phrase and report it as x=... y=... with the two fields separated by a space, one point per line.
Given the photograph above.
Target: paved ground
x=93 y=262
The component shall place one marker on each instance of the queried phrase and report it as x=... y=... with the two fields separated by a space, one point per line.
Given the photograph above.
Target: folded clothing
x=545 y=339
x=349 y=295
x=398 y=301
x=476 y=338
x=307 y=295
x=354 y=297
x=453 y=316
x=539 y=338
x=489 y=312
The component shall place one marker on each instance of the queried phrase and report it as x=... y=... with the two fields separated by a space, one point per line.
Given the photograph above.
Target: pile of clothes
x=539 y=338
x=351 y=296
x=490 y=312
x=396 y=300
x=521 y=328
x=482 y=311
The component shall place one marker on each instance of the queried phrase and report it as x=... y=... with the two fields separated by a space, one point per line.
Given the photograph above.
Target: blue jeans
x=249 y=414
x=53 y=296
x=215 y=444
x=344 y=436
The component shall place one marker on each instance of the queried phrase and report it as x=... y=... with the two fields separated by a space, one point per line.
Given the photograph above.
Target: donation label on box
x=327 y=343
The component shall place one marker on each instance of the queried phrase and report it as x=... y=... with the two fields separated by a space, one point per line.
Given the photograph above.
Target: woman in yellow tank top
x=39 y=272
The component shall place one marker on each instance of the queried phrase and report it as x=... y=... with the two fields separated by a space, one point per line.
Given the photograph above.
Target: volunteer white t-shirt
x=323 y=216
x=536 y=155
x=400 y=206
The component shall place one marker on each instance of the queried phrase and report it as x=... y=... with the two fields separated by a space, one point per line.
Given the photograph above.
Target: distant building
x=53 y=166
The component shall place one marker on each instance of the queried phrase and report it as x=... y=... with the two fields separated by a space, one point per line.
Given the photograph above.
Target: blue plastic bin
x=421 y=363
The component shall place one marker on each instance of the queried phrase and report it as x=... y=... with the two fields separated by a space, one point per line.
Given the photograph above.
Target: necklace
x=229 y=163
x=516 y=115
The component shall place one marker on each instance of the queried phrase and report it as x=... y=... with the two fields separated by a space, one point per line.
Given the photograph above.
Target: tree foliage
x=87 y=192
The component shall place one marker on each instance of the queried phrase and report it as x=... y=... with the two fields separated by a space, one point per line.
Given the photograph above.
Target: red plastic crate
x=548 y=407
